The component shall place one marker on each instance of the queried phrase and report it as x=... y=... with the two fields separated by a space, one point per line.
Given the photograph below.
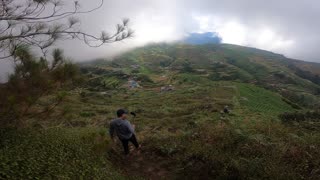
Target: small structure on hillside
x=226 y=110
x=135 y=67
x=201 y=71
x=167 y=88
x=133 y=84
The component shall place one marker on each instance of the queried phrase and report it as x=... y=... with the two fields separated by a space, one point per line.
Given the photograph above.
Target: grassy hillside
x=184 y=132
x=297 y=81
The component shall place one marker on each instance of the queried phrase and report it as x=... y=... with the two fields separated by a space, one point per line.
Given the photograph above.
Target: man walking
x=124 y=130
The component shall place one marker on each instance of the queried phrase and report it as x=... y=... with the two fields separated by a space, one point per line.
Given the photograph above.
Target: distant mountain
x=203 y=38
x=297 y=81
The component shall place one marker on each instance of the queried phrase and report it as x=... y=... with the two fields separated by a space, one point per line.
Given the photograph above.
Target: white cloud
x=154 y=28
x=286 y=26
x=234 y=32
x=269 y=40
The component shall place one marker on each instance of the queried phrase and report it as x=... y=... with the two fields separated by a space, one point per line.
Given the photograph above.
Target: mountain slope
x=185 y=133
x=183 y=129
x=297 y=81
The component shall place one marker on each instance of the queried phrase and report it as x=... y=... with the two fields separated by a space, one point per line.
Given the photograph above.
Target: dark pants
x=125 y=143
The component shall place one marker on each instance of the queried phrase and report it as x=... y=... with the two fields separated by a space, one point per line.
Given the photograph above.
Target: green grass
x=62 y=153
x=242 y=64
x=184 y=129
x=260 y=100
x=111 y=83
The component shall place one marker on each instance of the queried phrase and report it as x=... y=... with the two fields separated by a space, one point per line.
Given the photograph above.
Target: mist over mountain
x=286 y=27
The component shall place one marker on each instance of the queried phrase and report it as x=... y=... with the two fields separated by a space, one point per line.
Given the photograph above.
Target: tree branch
x=25 y=25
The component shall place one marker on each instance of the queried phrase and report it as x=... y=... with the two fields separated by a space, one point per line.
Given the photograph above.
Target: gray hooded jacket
x=123 y=128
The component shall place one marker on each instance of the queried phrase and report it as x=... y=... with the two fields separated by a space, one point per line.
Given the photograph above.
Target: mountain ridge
x=295 y=80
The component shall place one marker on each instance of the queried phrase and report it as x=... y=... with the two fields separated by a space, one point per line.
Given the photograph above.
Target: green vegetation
x=184 y=132
x=33 y=79
x=231 y=63
x=262 y=101
x=55 y=154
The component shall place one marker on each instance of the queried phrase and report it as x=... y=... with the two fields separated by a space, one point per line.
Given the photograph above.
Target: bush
x=144 y=78
x=87 y=114
x=34 y=78
x=300 y=116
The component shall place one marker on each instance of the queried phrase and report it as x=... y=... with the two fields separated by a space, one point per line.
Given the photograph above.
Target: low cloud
x=286 y=27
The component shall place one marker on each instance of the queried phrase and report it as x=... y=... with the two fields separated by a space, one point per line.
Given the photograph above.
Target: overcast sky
x=289 y=27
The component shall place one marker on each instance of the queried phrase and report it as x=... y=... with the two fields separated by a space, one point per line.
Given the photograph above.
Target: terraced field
x=260 y=100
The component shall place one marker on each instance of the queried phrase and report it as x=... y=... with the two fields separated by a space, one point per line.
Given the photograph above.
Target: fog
x=287 y=27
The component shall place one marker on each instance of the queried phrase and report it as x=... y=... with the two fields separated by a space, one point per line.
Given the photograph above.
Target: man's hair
x=120 y=112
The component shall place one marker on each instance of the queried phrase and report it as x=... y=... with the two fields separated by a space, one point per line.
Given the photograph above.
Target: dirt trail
x=145 y=164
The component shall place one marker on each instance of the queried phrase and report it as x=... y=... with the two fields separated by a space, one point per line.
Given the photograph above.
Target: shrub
x=87 y=114
x=300 y=116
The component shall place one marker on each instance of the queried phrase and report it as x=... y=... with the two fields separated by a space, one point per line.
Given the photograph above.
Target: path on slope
x=144 y=164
